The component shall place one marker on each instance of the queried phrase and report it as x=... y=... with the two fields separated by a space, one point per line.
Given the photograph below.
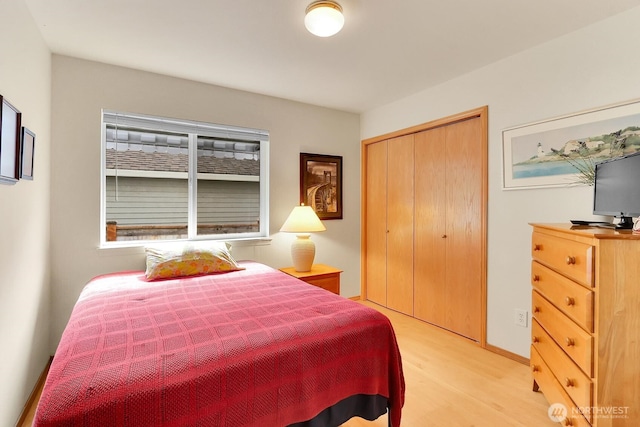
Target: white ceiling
x=388 y=49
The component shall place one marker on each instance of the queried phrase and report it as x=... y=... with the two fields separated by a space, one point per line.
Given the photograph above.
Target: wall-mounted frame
x=10 y=120
x=26 y=153
x=321 y=184
x=534 y=154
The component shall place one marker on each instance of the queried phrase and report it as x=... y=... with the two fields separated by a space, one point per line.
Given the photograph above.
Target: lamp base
x=303 y=250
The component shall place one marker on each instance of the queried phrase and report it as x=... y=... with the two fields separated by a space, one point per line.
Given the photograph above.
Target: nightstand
x=322 y=276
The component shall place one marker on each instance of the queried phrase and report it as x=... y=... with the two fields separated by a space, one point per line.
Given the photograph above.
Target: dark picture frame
x=10 y=124
x=26 y=153
x=321 y=184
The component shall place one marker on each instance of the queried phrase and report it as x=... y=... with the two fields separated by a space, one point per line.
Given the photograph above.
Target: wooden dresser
x=585 y=333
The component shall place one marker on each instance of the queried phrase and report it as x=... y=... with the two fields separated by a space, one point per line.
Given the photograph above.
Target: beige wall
x=593 y=67
x=82 y=88
x=25 y=64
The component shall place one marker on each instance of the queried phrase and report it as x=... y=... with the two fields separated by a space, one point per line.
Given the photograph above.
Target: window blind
x=142 y=121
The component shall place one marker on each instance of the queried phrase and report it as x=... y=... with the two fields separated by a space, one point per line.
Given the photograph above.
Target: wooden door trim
x=481 y=113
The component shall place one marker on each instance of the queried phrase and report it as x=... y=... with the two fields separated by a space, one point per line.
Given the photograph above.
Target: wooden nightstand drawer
x=571 y=258
x=330 y=283
x=574 y=340
x=322 y=276
x=574 y=300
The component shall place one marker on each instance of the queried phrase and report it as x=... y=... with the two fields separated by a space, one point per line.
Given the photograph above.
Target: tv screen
x=617 y=189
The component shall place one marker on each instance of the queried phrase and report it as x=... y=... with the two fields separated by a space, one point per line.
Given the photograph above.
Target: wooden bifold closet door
x=424 y=232
x=390 y=217
x=376 y=208
x=448 y=203
x=400 y=224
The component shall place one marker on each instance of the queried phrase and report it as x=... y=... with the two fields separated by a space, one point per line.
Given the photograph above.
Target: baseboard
x=356 y=298
x=507 y=354
x=31 y=402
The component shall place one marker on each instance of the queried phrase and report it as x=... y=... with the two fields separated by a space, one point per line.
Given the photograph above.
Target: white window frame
x=193 y=129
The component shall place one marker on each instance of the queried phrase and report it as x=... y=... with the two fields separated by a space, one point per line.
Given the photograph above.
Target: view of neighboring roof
x=139 y=160
x=153 y=151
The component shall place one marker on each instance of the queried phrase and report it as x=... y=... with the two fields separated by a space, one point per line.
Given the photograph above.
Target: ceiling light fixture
x=324 y=18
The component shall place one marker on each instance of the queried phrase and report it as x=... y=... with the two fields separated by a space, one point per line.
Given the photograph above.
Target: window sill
x=252 y=241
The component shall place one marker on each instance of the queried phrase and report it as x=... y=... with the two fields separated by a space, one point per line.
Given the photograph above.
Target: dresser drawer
x=574 y=300
x=572 y=259
x=571 y=378
x=553 y=391
x=574 y=340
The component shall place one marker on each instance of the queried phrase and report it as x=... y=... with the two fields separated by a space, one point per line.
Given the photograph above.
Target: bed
x=253 y=347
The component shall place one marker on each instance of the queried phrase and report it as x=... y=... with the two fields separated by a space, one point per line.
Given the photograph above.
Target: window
x=168 y=179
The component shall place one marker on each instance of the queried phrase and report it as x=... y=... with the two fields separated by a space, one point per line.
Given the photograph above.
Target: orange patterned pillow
x=165 y=261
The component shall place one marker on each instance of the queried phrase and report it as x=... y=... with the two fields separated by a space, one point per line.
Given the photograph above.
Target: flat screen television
x=617 y=189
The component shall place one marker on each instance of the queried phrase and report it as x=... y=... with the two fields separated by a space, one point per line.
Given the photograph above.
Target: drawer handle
x=570 y=301
x=535 y=368
x=570 y=342
x=535 y=339
x=537 y=247
x=571 y=260
x=568 y=422
x=536 y=309
x=536 y=278
x=569 y=382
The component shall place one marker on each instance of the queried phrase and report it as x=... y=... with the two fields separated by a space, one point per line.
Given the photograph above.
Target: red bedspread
x=248 y=348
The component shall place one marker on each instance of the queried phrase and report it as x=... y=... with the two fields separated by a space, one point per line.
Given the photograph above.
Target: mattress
x=254 y=347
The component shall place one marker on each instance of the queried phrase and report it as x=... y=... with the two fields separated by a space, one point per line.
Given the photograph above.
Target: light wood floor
x=30 y=411
x=453 y=382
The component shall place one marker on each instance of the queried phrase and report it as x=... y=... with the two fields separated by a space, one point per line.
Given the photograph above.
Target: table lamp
x=302 y=220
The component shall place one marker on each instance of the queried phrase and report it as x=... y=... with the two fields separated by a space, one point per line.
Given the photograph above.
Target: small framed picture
x=9 y=143
x=26 y=153
x=321 y=184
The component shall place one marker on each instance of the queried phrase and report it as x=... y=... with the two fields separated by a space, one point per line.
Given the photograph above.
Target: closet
x=424 y=222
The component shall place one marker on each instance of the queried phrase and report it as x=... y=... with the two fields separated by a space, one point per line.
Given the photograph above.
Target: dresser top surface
x=587 y=231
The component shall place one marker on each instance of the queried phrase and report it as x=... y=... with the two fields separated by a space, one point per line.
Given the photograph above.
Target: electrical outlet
x=522 y=317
